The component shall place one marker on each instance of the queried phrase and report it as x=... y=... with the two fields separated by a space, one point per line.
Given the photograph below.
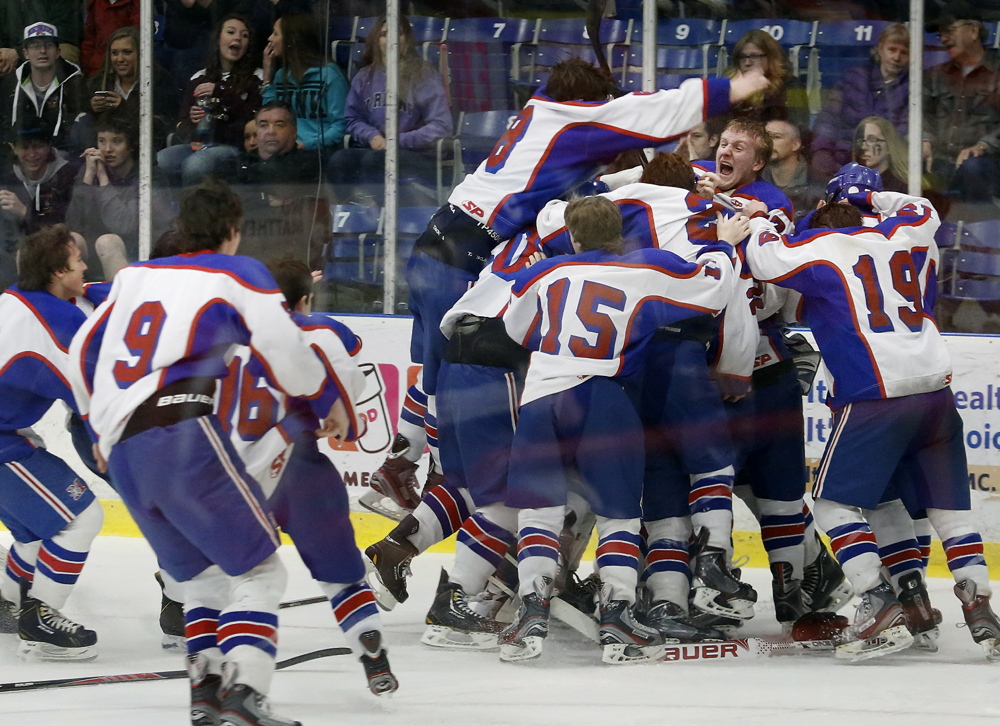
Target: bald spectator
x=879 y=88
x=788 y=168
x=962 y=112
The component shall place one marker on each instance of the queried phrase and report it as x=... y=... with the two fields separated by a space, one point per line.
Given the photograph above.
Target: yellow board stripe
x=370 y=528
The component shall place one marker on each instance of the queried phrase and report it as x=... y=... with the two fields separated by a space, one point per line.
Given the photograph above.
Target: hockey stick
x=303 y=601
x=595 y=13
x=154 y=676
x=742 y=649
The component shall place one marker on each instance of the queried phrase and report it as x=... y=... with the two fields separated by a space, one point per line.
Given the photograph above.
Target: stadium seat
x=350 y=255
x=478 y=134
x=476 y=75
x=849 y=33
x=702 y=61
x=788 y=33
x=682 y=31
x=503 y=30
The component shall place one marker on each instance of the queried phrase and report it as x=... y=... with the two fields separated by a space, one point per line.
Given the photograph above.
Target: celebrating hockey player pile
x=618 y=362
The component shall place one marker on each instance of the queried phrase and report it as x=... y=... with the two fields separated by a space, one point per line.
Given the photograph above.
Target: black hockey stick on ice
x=595 y=13
x=154 y=676
x=303 y=601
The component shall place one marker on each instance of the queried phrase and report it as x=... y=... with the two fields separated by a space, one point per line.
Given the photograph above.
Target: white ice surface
x=569 y=685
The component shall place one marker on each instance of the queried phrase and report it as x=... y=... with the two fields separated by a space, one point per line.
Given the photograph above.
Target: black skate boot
x=578 y=606
x=171 y=620
x=48 y=634
x=714 y=588
x=979 y=616
x=921 y=618
x=241 y=705
x=522 y=639
x=823 y=582
x=451 y=623
x=396 y=480
x=381 y=681
x=789 y=602
x=672 y=623
x=388 y=564
x=625 y=639
x=879 y=627
x=206 y=704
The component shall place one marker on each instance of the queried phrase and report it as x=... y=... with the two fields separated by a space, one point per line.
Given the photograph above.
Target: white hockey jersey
x=591 y=314
x=867 y=295
x=552 y=147
x=261 y=419
x=181 y=317
x=672 y=219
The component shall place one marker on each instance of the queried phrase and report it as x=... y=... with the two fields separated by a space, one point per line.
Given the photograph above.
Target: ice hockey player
x=144 y=370
x=51 y=512
x=573 y=313
x=274 y=435
x=868 y=295
x=770 y=459
x=561 y=138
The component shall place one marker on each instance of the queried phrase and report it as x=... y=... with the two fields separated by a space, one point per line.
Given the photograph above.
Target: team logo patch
x=277 y=466
x=76 y=489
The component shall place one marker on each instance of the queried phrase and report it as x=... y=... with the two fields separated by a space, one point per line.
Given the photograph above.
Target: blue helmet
x=853 y=177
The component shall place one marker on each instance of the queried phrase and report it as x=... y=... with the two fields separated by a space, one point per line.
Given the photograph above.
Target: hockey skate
x=388 y=564
x=921 y=618
x=451 y=622
x=577 y=606
x=375 y=660
x=823 y=582
x=171 y=620
x=48 y=634
x=715 y=588
x=522 y=639
x=241 y=705
x=624 y=639
x=393 y=492
x=789 y=601
x=206 y=703
x=879 y=627
x=671 y=622
x=982 y=621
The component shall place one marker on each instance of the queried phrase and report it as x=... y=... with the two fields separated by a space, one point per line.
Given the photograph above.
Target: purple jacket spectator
x=862 y=92
x=424 y=116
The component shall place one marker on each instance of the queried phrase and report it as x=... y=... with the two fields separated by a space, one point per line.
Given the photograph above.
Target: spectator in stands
x=35 y=191
x=105 y=204
x=788 y=168
x=115 y=90
x=45 y=86
x=962 y=112
x=424 y=117
x=262 y=14
x=878 y=146
x=250 y=136
x=104 y=17
x=315 y=89
x=228 y=91
x=701 y=141
x=37 y=187
x=879 y=88
x=15 y=15
x=785 y=99
x=278 y=183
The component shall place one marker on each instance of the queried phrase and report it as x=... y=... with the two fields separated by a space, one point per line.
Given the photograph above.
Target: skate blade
x=620 y=653
x=438 y=636
x=383 y=685
x=926 y=641
x=383 y=598
x=525 y=649
x=891 y=640
x=579 y=621
x=704 y=600
x=991 y=648
x=173 y=642
x=375 y=502
x=47 y=651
